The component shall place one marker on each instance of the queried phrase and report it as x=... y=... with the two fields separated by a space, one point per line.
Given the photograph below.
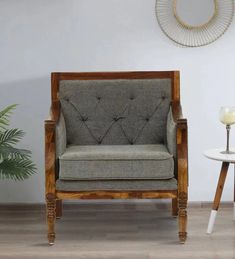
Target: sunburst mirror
x=194 y=23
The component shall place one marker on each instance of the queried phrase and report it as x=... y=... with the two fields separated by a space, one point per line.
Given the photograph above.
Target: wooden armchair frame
x=54 y=198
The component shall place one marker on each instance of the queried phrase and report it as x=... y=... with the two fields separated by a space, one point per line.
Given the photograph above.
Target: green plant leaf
x=11 y=136
x=15 y=163
x=16 y=169
x=5 y=114
x=12 y=152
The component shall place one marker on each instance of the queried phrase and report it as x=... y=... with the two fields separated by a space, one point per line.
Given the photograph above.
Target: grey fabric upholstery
x=116 y=152
x=61 y=140
x=94 y=162
x=116 y=135
x=115 y=112
x=171 y=134
x=117 y=185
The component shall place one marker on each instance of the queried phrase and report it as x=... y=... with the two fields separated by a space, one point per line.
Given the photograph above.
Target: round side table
x=226 y=159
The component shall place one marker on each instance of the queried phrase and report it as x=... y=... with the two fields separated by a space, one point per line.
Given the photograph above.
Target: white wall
x=41 y=36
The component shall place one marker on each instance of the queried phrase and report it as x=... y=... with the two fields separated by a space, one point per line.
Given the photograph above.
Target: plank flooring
x=101 y=230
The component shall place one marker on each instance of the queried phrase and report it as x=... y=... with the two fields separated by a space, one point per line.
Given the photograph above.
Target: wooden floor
x=136 y=230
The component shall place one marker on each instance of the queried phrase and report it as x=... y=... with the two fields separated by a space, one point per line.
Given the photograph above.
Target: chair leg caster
x=182 y=237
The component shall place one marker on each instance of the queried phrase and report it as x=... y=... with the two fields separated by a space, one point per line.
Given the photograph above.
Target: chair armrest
x=55 y=144
x=182 y=155
x=181 y=147
x=57 y=125
x=50 y=156
x=174 y=118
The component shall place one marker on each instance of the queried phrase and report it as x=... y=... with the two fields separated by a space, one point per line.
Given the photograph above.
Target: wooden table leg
x=234 y=197
x=218 y=194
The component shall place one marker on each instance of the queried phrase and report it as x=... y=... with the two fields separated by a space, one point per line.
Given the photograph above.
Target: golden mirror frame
x=189 y=35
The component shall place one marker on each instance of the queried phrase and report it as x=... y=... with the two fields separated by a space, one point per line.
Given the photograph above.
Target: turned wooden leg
x=51 y=214
x=218 y=194
x=174 y=204
x=59 y=208
x=182 y=204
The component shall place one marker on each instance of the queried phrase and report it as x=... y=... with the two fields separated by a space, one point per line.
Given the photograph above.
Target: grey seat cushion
x=94 y=162
x=117 y=185
x=115 y=112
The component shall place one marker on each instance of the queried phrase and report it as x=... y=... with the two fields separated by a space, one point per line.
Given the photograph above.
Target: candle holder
x=227 y=117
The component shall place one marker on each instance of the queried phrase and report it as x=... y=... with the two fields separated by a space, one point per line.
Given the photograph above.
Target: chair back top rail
x=56 y=77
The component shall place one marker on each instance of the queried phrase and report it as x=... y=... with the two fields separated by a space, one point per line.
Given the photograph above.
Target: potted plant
x=15 y=163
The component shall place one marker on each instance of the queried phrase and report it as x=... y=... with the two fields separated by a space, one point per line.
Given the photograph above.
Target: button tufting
x=84 y=119
x=113 y=117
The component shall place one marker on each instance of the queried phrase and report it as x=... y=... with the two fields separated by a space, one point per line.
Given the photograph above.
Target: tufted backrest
x=115 y=112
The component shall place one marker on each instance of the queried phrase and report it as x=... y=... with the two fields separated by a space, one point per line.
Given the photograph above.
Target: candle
x=227 y=116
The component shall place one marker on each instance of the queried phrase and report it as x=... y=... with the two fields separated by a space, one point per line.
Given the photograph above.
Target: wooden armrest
x=177 y=111
x=182 y=154
x=50 y=125
x=50 y=155
x=54 y=113
x=181 y=125
x=181 y=146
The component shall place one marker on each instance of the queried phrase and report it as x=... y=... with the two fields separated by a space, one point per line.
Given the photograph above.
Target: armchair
x=116 y=135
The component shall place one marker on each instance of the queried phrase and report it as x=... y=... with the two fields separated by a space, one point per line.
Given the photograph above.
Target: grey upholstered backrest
x=115 y=112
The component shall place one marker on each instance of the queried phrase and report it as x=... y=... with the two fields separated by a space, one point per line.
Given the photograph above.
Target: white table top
x=216 y=154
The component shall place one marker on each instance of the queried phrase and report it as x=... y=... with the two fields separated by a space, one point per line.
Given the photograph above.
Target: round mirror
x=194 y=13
x=194 y=23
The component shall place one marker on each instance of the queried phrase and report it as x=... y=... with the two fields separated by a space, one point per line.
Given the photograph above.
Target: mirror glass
x=195 y=12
